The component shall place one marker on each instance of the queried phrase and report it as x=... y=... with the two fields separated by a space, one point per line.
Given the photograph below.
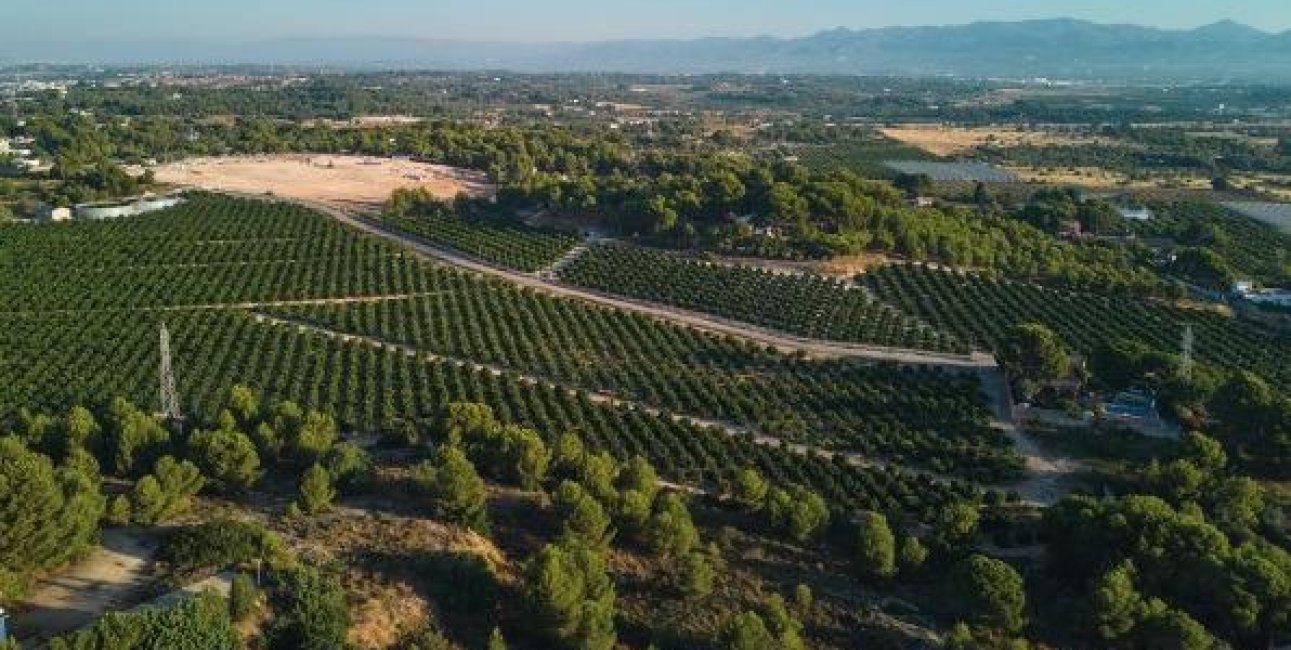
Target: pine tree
x=456 y=489
x=875 y=546
x=672 y=532
x=316 y=492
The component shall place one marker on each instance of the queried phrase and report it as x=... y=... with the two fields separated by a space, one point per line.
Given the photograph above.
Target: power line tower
x=169 y=396
x=1185 y=354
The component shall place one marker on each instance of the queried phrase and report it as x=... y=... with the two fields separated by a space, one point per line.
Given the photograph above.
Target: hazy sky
x=555 y=20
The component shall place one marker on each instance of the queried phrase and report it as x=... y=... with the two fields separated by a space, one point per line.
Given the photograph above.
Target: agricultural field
x=507 y=243
x=981 y=309
x=802 y=304
x=93 y=332
x=924 y=418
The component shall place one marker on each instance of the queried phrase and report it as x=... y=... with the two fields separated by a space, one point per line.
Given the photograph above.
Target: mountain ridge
x=1056 y=48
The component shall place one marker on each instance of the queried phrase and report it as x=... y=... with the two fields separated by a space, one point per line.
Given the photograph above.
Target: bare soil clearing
x=355 y=181
x=111 y=578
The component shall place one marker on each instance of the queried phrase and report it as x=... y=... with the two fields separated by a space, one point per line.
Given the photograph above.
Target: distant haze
x=1063 y=49
x=545 y=21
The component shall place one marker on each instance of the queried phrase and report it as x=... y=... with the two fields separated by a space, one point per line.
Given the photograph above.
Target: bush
x=218 y=544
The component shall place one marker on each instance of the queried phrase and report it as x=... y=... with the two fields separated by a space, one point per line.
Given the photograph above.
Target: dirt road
x=784 y=342
x=113 y=577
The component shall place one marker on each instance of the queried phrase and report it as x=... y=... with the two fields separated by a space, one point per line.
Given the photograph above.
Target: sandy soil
x=110 y=578
x=956 y=140
x=347 y=180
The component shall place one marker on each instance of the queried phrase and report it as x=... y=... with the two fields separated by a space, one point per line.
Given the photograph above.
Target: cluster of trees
x=1197 y=556
x=1056 y=210
x=49 y=511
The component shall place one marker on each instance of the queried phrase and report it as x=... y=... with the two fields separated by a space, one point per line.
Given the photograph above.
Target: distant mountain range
x=1066 y=49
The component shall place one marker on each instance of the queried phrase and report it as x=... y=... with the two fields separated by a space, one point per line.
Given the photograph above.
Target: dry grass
x=385 y=612
x=1096 y=177
x=846 y=266
x=958 y=140
x=346 y=180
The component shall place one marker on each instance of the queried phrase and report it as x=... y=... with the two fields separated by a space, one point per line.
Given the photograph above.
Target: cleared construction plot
x=347 y=180
x=1277 y=215
x=954 y=171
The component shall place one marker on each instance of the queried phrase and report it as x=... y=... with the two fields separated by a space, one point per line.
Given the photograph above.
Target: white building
x=129 y=208
x=52 y=213
x=1136 y=214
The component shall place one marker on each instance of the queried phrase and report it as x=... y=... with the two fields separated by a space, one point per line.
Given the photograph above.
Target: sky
x=572 y=20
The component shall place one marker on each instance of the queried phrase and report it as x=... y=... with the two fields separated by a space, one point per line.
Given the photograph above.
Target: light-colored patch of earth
x=943 y=140
x=110 y=578
x=357 y=181
x=850 y=265
x=366 y=122
x=1096 y=177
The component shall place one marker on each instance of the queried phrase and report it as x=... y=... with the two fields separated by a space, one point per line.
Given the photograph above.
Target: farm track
x=697 y=320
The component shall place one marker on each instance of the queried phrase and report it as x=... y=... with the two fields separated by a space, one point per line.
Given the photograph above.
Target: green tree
x=350 y=466
x=912 y=554
x=48 y=515
x=243 y=597
x=310 y=611
x=583 y=519
x=672 y=532
x=1032 y=353
x=745 y=631
x=957 y=524
x=228 y=457
x=875 y=546
x=751 y=489
x=572 y=597
x=993 y=592
x=135 y=438
x=315 y=435
x=315 y=493
x=697 y=576
x=464 y=420
x=597 y=476
x=167 y=492
x=798 y=511
x=567 y=456
x=496 y=642
x=456 y=489
x=244 y=403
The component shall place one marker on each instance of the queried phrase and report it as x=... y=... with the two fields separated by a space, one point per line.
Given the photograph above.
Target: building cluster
x=18 y=153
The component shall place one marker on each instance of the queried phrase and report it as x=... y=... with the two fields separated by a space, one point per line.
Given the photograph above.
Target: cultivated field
x=346 y=180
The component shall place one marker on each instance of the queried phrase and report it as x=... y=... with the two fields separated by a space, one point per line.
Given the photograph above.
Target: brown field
x=1094 y=177
x=942 y=140
x=344 y=180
